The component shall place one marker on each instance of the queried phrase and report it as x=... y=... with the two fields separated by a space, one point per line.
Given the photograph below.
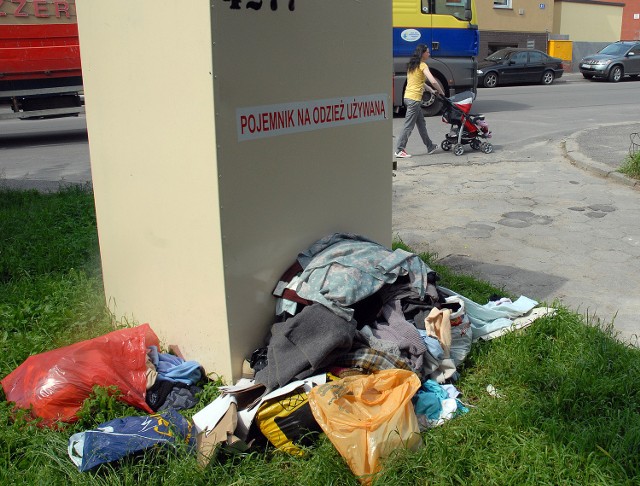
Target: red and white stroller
x=466 y=128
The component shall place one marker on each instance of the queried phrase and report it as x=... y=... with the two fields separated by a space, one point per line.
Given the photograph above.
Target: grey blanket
x=304 y=344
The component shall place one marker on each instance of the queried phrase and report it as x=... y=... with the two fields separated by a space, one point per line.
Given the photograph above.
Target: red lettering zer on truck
x=40 y=71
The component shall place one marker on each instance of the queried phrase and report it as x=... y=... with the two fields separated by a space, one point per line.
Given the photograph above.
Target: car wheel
x=616 y=74
x=490 y=80
x=587 y=76
x=547 y=78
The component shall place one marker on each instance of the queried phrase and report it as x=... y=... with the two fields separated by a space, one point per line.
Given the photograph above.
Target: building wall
x=525 y=24
x=491 y=41
x=631 y=20
x=588 y=22
x=523 y=16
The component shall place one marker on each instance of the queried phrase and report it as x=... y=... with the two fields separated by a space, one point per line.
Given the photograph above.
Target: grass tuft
x=631 y=165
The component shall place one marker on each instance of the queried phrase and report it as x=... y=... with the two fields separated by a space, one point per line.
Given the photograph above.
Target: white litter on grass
x=491 y=390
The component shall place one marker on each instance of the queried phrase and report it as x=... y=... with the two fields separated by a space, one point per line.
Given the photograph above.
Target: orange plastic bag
x=366 y=417
x=55 y=383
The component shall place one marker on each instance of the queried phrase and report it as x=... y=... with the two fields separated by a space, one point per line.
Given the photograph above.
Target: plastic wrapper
x=287 y=421
x=55 y=383
x=122 y=437
x=366 y=417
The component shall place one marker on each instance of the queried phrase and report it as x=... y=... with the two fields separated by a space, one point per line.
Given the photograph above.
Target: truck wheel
x=490 y=80
x=431 y=106
x=616 y=74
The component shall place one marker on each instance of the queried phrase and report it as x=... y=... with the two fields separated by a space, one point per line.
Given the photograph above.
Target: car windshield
x=615 y=50
x=498 y=55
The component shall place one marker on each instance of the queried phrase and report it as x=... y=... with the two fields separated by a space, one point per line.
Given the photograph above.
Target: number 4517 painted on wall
x=257 y=4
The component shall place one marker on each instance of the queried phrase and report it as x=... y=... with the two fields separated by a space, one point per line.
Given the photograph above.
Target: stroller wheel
x=458 y=149
x=446 y=145
x=487 y=148
x=475 y=144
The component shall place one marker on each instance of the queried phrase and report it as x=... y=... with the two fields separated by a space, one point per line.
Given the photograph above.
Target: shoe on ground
x=401 y=154
x=433 y=148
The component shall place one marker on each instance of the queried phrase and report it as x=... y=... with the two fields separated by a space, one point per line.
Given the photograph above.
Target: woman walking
x=417 y=74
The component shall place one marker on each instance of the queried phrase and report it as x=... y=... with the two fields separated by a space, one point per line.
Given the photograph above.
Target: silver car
x=613 y=62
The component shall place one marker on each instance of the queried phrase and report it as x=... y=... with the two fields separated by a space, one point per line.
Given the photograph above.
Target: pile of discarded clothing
x=349 y=305
x=171 y=381
x=365 y=347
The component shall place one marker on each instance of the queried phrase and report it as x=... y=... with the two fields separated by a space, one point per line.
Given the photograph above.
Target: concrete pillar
x=226 y=136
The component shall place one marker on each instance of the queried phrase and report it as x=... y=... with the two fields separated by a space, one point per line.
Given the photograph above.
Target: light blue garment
x=174 y=368
x=187 y=372
x=343 y=269
x=521 y=306
x=486 y=320
x=428 y=399
x=437 y=403
x=433 y=345
x=461 y=408
x=167 y=361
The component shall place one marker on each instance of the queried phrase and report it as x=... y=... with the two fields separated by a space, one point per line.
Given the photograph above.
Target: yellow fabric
x=415 y=83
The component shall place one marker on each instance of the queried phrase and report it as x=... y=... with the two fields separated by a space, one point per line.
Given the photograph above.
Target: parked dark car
x=613 y=62
x=516 y=65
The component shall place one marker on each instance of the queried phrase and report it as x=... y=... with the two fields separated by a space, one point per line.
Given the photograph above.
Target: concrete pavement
x=561 y=225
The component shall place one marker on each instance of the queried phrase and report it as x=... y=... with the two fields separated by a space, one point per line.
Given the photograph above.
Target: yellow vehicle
x=448 y=28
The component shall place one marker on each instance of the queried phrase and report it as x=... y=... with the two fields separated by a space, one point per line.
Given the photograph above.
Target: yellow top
x=415 y=83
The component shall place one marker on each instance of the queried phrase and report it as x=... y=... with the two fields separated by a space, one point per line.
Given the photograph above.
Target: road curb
x=571 y=151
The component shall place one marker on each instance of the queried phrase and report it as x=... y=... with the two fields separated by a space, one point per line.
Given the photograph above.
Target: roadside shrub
x=631 y=165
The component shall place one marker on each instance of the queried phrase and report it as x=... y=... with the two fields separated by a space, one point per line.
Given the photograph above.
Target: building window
x=501 y=3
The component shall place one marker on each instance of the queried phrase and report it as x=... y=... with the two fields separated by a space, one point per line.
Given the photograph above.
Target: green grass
x=631 y=165
x=569 y=412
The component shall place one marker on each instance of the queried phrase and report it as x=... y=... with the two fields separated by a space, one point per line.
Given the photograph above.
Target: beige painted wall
x=533 y=18
x=588 y=23
x=195 y=225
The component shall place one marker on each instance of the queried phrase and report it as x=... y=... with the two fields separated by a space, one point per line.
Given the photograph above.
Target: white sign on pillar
x=225 y=137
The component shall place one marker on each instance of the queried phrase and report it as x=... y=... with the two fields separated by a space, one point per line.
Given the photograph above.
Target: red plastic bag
x=366 y=417
x=55 y=383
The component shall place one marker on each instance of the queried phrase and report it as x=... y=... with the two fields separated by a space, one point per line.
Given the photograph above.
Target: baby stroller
x=466 y=128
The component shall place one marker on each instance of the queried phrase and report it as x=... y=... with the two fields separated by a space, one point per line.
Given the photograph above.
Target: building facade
x=631 y=20
x=588 y=20
x=514 y=23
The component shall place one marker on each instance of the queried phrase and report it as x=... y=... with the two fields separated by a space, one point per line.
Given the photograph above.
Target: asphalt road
x=44 y=153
